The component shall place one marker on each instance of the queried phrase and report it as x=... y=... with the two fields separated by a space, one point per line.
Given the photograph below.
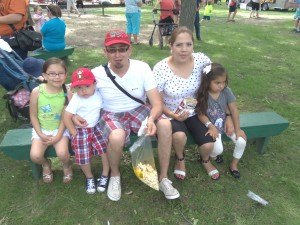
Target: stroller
x=164 y=29
x=18 y=83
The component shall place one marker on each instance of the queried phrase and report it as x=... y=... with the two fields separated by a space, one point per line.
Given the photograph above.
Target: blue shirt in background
x=53 y=32
x=131 y=6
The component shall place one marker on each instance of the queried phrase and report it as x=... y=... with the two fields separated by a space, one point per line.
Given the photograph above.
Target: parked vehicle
x=269 y=4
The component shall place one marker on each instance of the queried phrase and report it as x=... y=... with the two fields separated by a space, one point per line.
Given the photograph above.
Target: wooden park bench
x=259 y=127
x=102 y=5
x=106 y=5
x=43 y=54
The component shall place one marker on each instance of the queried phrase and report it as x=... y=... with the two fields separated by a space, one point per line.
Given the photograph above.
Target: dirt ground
x=89 y=29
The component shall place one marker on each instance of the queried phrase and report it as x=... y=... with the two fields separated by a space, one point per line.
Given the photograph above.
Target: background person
x=166 y=18
x=297 y=20
x=232 y=10
x=72 y=6
x=178 y=9
x=167 y=7
x=197 y=20
x=133 y=18
x=34 y=67
x=255 y=8
x=12 y=12
x=54 y=30
x=79 y=4
x=38 y=18
x=294 y=4
x=207 y=10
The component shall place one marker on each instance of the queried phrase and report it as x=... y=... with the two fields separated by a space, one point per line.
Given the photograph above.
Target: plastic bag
x=143 y=161
x=257 y=198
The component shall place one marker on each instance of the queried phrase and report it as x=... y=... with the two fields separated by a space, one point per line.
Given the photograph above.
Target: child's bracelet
x=207 y=124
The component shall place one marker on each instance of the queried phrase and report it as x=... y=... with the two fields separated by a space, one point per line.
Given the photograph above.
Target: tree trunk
x=187 y=15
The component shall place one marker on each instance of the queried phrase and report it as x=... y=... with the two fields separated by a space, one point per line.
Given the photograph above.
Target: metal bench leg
x=36 y=170
x=261 y=144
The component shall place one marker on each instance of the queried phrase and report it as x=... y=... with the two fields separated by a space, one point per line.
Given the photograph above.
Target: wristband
x=228 y=114
x=207 y=124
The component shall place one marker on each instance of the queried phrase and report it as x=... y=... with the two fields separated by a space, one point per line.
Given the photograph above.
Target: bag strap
x=12 y=108
x=108 y=73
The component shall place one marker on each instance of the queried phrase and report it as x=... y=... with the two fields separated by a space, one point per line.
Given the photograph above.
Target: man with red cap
x=122 y=114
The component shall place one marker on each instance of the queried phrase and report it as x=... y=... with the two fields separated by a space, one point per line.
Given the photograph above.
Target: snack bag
x=187 y=104
x=143 y=161
x=190 y=104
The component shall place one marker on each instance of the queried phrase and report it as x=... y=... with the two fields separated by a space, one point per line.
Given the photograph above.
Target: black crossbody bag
x=108 y=73
x=26 y=38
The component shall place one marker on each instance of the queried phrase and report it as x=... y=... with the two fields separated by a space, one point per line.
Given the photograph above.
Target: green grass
x=263 y=63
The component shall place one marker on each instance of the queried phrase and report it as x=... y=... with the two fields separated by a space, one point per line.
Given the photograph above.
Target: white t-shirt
x=138 y=79
x=87 y=108
x=176 y=89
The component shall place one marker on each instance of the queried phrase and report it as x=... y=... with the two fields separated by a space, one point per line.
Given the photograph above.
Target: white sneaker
x=114 y=188
x=169 y=191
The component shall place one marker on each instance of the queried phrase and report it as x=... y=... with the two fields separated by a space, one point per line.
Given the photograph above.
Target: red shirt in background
x=167 y=5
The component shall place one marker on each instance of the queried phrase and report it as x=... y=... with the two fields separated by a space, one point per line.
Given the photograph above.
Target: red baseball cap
x=81 y=77
x=116 y=37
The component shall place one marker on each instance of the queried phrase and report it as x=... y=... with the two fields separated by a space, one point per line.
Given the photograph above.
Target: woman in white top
x=178 y=78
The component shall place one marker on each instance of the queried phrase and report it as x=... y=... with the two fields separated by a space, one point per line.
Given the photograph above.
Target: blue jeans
x=10 y=70
x=197 y=25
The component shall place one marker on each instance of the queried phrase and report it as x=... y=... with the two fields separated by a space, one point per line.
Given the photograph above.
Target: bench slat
x=258 y=126
x=262 y=124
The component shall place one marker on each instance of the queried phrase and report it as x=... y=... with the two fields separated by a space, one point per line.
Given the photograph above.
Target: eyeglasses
x=56 y=74
x=115 y=50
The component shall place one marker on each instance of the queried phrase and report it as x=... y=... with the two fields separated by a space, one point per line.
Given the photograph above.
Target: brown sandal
x=47 y=177
x=68 y=177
